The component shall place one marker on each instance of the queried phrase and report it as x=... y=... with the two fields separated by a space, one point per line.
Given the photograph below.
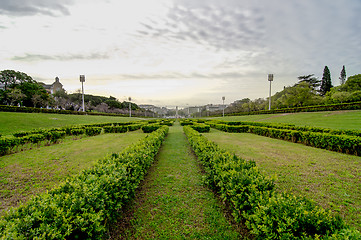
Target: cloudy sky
x=179 y=52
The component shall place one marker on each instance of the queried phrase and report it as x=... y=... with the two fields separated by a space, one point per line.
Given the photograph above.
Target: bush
x=93 y=131
x=83 y=206
x=202 y=128
x=115 y=129
x=253 y=199
x=150 y=128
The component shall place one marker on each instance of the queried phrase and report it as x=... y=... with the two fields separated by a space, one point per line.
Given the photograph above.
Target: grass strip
x=267 y=213
x=25 y=174
x=331 y=179
x=172 y=202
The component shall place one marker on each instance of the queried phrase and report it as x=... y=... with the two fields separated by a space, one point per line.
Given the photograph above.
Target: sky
x=179 y=52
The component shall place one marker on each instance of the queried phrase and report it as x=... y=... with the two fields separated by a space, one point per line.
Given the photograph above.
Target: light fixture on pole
x=270 y=79
x=223 y=98
x=130 y=107
x=82 y=80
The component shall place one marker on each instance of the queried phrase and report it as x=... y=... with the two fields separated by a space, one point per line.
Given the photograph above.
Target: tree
x=326 y=83
x=352 y=84
x=311 y=80
x=343 y=75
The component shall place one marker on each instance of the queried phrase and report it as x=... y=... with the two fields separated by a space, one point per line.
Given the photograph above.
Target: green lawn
x=332 y=119
x=27 y=173
x=331 y=179
x=172 y=202
x=11 y=122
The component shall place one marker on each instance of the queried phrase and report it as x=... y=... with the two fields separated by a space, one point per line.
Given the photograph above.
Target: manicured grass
x=331 y=179
x=172 y=202
x=25 y=174
x=332 y=119
x=11 y=122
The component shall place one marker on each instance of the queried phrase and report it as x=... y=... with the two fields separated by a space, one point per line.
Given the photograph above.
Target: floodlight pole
x=82 y=80
x=223 y=98
x=130 y=107
x=270 y=79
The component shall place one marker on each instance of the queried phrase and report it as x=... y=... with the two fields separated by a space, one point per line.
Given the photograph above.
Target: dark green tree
x=326 y=83
x=313 y=82
x=343 y=75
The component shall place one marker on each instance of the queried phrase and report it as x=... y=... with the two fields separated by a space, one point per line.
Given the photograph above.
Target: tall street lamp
x=223 y=98
x=270 y=79
x=130 y=107
x=82 y=80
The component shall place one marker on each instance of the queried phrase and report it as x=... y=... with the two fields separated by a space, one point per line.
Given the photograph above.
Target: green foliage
x=115 y=129
x=5 y=108
x=343 y=75
x=252 y=198
x=7 y=144
x=326 y=83
x=200 y=127
x=352 y=84
x=22 y=89
x=93 y=131
x=83 y=206
x=345 y=141
x=150 y=127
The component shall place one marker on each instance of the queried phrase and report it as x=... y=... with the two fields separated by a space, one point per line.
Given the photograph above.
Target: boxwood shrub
x=84 y=205
x=253 y=200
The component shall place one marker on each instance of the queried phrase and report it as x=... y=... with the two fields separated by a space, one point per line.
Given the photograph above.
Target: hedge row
x=7 y=144
x=253 y=200
x=337 y=143
x=319 y=108
x=200 y=127
x=150 y=127
x=4 y=108
x=85 y=205
x=293 y=127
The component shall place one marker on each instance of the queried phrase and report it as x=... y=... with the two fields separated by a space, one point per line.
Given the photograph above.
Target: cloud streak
x=34 y=7
x=28 y=57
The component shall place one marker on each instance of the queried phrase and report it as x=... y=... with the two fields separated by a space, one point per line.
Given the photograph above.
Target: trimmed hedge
x=85 y=205
x=115 y=129
x=4 y=108
x=7 y=144
x=337 y=143
x=318 y=108
x=254 y=201
x=200 y=127
x=150 y=127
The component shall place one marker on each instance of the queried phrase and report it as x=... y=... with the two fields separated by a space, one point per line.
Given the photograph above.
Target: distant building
x=213 y=108
x=53 y=88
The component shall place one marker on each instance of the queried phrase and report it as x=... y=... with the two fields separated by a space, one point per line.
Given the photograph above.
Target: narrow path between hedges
x=172 y=202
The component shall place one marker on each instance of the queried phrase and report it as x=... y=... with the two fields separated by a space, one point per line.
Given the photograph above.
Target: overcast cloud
x=178 y=52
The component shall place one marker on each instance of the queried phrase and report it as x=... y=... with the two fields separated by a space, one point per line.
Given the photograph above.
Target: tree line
x=308 y=91
x=19 y=89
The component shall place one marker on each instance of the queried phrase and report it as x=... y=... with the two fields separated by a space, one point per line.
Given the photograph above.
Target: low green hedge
x=318 y=108
x=200 y=127
x=337 y=143
x=134 y=127
x=291 y=127
x=85 y=205
x=150 y=127
x=7 y=144
x=253 y=200
x=115 y=129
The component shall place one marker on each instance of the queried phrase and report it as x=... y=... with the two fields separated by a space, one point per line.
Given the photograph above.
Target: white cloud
x=166 y=51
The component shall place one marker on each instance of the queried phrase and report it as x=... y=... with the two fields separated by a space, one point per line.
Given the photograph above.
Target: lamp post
x=223 y=98
x=270 y=79
x=130 y=106
x=82 y=80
